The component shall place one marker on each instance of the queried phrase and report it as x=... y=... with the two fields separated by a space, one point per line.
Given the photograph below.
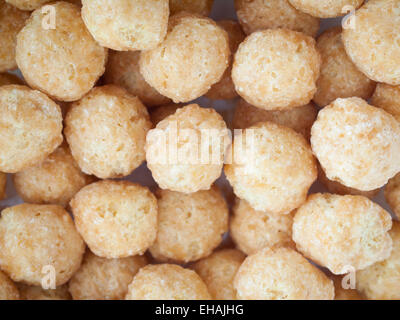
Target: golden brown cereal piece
x=392 y=194
x=3 y=183
x=190 y=226
x=272 y=169
x=326 y=8
x=339 y=77
x=357 y=144
x=167 y=282
x=177 y=155
x=123 y=70
x=387 y=97
x=160 y=113
x=30 y=127
x=9 y=78
x=255 y=15
x=202 y=7
x=342 y=232
x=34 y=4
x=193 y=57
x=281 y=274
x=344 y=293
x=34 y=237
x=104 y=279
x=38 y=293
x=117 y=219
x=106 y=131
x=372 y=43
x=8 y=290
x=54 y=181
x=261 y=80
x=64 y=62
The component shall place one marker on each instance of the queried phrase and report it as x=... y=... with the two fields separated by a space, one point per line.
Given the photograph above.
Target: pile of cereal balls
x=134 y=188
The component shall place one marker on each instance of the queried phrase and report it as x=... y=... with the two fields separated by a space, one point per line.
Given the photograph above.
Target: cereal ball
x=272 y=169
x=64 y=62
x=117 y=219
x=123 y=70
x=373 y=43
x=281 y=274
x=190 y=226
x=30 y=127
x=160 y=113
x=34 y=4
x=258 y=74
x=33 y=237
x=392 y=194
x=38 y=293
x=167 y=282
x=202 y=7
x=3 y=183
x=104 y=279
x=339 y=77
x=218 y=272
x=54 y=181
x=357 y=144
x=387 y=97
x=196 y=160
x=106 y=131
x=326 y=8
x=8 y=290
x=9 y=78
x=255 y=15
x=351 y=231
x=193 y=57
x=341 y=293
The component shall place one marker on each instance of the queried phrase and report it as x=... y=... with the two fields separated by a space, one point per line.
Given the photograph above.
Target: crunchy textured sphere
x=344 y=294
x=272 y=169
x=34 y=4
x=64 y=62
x=104 y=279
x=167 y=282
x=3 y=183
x=123 y=70
x=373 y=43
x=387 y=97
x=30 y=127
x=255 y=15
x=218 y=272
x=38 y=293
x=193 y=57
x=357 y=144
x=202 y=7
x=117 y=219
x=392 y=194
x=258 y=74
x=326 y=8
x=339 y=77
x=173 y=149
x=160 y=113
x=106 y=131
x=9 y=78
x=36 y=236
x=281 y=274
x=339 y=232
x=8 y=290
x=190 y=226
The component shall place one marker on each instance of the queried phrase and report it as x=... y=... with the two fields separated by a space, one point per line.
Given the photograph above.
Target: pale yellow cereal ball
x=8 y=290
x=64 y=62
x=9 y=78
x=342 y=292
x=342 y=232
x=373 y=43
x=106 y=131
x=357 y=144
x=392 y=194
x=34 y=4
x=281 y=274
x=104 y=279
x=160 y=113
x=272 y=169
x=202 y=7
x=185 y=152
x=387 y=97
x=167 y=282
x=38 y=241
x=38 y=293
x=193 y=57
x=276 y=69
x=339 y=77
x=117 y=219
x=3 y=183
x=190 y=226
x=326 y=8
x=30 y=127
x=255 y=15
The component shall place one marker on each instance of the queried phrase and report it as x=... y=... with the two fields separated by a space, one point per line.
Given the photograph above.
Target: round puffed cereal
x=123 y=70
x=34 y=4
x=190 y=226
x=373 y=43
x=167 y=282
x=8 y=290
x=64 y=62
x=33 y=237
x=202 y=7
x=54 y=181
x=160 y=113
x=106 y=131
x=258 y=74
x=357 y=144
x=341 y=293
x=255 y=15
x=30 y=127
x=180 y=152
x=193 y=57
x=326 y=8
x=342 y=232
x=392 y=194
x=38 y=293
x=281 y=274
x=8 y=78
x=104 y=279
x=272 y=169
x=3 y=183
x=117 y=219
x=387 y=97
x=339 y=77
